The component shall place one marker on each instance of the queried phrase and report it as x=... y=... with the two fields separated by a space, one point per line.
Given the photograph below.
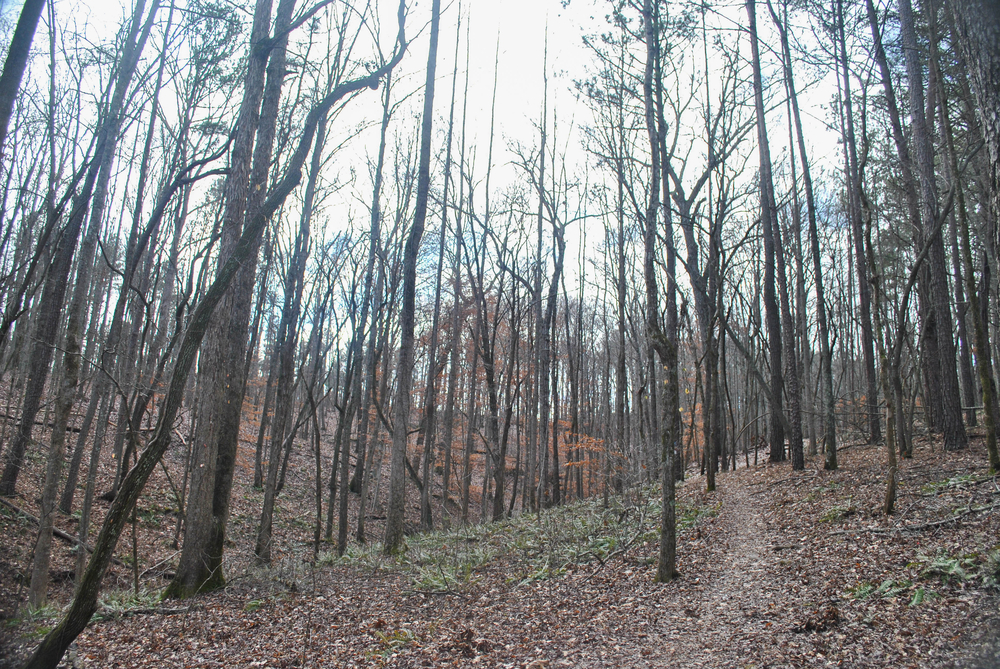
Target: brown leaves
x=765 y=583
x=467 y=645
x=821 y=622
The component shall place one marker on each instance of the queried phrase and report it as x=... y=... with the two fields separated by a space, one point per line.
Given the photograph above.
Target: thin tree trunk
x=470 y=420
x=952 y=425
x=430 y=392
x=401 y=409
x=362 y=471
x=284 y=348
x=791 y=366
x=768 y=223
x=369 y=300
x=860 y=262
x=456 y=318
x=665 y=343
x=94 y=190
x=72 y=359
x=84 y=604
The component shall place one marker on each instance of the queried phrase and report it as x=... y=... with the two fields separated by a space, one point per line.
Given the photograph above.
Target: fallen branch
x=944 y=488
x=613 y=554
x=851 y=445
x=69 y=428
x=152 y=611
x=159 y=564
x=65 y=536
x=923 y=526
x=798 y=479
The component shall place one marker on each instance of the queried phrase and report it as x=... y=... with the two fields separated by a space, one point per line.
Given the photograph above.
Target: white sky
x=520 y=26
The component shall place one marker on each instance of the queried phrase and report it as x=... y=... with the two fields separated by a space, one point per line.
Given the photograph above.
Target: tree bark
x=93 y=190
x=84 y=604
x=371 y=298
x=430 y=392
x=952 y=425
x=284 y=348
x=454 y=349
x=977 y=24
x=860 y=261
x=665 y=343
x=17 y=61
x=768 y=223
x=404 y=370
x=824 y=331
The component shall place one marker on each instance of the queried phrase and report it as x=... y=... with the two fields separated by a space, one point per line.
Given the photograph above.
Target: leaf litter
x=778 y=569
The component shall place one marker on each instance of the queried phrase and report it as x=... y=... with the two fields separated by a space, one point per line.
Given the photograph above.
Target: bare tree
x=978 y=29
x=768 y=221
x=950 y=393
x=401 y=407
x=17 y=61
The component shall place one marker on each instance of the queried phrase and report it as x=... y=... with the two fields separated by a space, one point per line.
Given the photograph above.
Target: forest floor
x=777 y=569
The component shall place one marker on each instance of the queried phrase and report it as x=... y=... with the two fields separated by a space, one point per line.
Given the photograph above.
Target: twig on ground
x=160 y=563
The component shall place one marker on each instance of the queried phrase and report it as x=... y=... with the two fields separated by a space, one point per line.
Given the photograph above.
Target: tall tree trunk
x=860 y=262
x=791 y=366
x=223 y=361
x=537 y=445
x=454 y=348
x=223 y=357
x=510 y=395
x=352 y=390
x=795 y=132
x=950 y=172
x=912 y=208
x=889 y=500
x=71 y=359
x=665 y=343
x=826 y=364
x=556 y=475
x=369 y=299
x=952 y=426
x=977 y=25
x=470 y=421
x=430 y=392
x=621 y=287
x=84 y=604
x=768 y=223
x=401 y=409
x=93 y=192
x=17 y=61
x=284 y=349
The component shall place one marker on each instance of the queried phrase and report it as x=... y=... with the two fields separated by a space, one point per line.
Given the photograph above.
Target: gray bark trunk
x=401 y=410
x=949 y=391
x=768 y=223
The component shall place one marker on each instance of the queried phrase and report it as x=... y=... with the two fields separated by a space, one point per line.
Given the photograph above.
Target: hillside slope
x=779 y=569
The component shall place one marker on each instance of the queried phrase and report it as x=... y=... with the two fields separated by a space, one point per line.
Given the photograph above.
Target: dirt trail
x=732 y=605
x=728 y=603
x=736 y=595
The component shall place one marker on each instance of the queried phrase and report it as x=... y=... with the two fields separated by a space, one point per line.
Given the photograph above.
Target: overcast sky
x=522 y=27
